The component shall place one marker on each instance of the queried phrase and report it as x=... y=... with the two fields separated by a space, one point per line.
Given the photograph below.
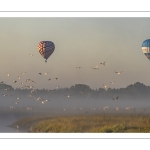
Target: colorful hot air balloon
x=146 y=48
x=46 y=48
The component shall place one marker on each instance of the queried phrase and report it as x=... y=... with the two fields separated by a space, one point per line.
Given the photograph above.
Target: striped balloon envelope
x=46 y=48
x=146 y=48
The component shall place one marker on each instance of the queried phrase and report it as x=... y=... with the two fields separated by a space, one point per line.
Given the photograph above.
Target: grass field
x=105 y=123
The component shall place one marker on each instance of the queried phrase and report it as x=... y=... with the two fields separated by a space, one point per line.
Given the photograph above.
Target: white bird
x=105 y=86
x=46 y=73
x=17 y=127
x=39 y=98
x=68 y=96
x=16 y=103
x=19 y=77
x=23 y=72
x=118 y=72
x=103 y=64
x=33 y=91
x=96 y=67
x=14 y=81
x=106 y=108
x=31 y=87
x=32 y=81
x=17 y=98
x=112 y=82
x=31 y=54
x=57 y=87
x=44 y=101
x=8 y=74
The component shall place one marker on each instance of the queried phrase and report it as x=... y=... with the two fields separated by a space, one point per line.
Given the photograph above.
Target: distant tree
x=5 y=86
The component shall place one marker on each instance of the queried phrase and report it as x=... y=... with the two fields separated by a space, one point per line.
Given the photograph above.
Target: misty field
x=87 y=124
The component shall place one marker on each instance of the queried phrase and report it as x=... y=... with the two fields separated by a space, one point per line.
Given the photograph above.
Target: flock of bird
x=112 y=82
x=25 y=84
x=28 y=83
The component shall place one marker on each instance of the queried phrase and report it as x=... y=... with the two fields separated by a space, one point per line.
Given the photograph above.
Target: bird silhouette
x=103 y=64
x=116 y=98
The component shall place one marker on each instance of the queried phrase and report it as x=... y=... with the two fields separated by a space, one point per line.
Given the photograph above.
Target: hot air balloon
x=146 y=48
x=46 y=48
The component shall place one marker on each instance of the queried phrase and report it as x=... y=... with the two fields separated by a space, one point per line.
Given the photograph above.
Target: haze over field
x=100 y=54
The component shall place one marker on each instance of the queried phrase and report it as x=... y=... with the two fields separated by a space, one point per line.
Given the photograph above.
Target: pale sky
x=79 y=42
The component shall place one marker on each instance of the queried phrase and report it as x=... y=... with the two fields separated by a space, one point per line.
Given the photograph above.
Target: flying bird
x=33 y=91
x=118 y=72
x=57 y=87
x=105 y=86
x=112 y=82
x=103 y=64
x=96 y=67
x=39 y=98
x=46 y=73
x=68 y=96
x=23 y=72
x=19 y=77
x=116 y=98
x=43 y=101
x=31 y=54
x=8 y=74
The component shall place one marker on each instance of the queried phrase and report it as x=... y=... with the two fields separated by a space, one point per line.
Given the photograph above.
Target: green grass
x=87 y=124
x=93 y=124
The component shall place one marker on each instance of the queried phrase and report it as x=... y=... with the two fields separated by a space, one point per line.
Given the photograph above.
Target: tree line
x=133 y=91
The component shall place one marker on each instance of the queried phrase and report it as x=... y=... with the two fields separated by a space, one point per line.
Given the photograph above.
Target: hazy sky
x=79 y=42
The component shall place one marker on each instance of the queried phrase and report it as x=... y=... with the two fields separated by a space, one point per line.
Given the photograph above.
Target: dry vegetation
x=87 y=124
